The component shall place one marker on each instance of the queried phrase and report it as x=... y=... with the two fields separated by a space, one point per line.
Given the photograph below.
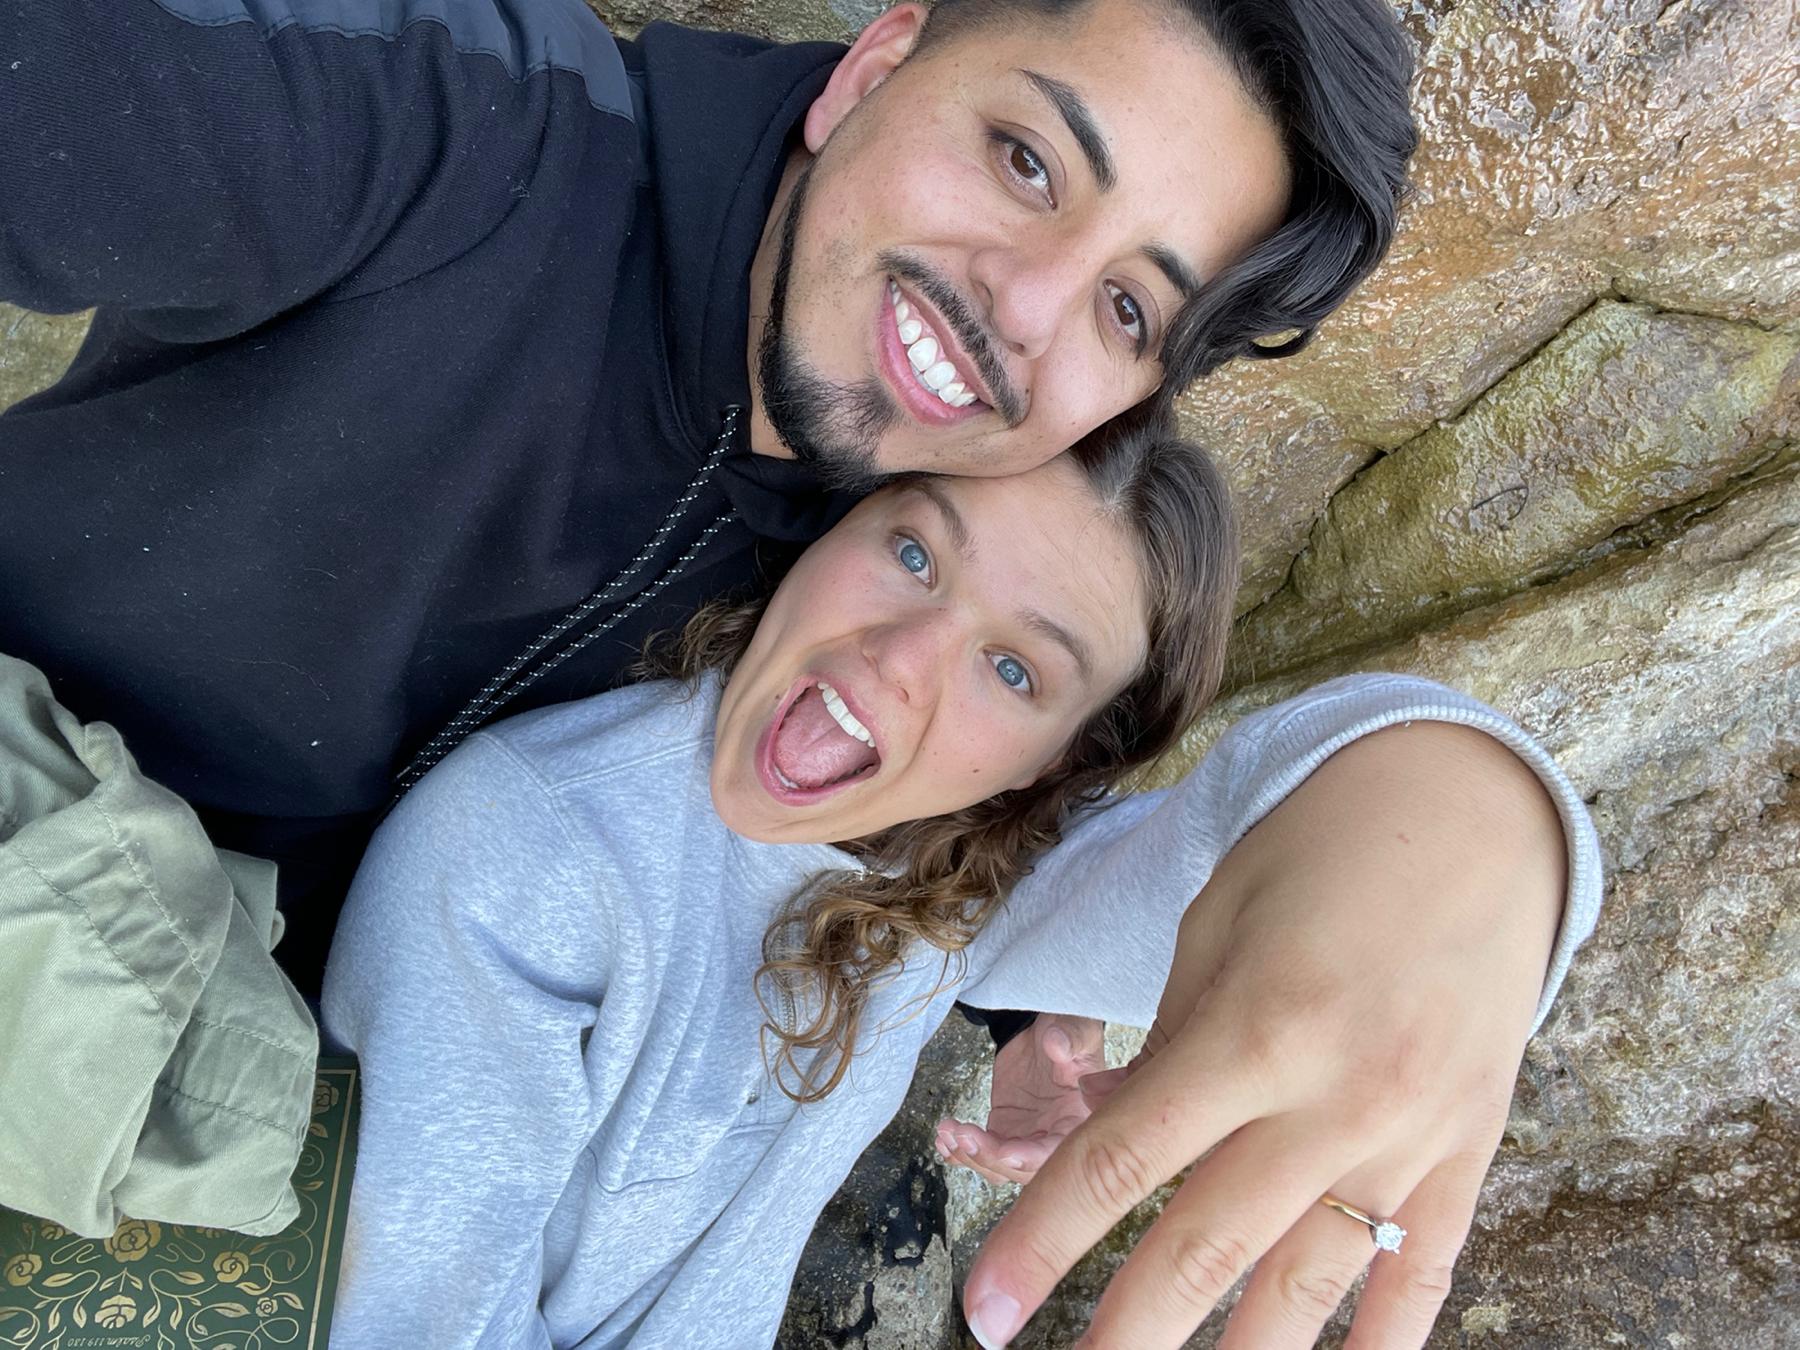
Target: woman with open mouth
x=634 y=980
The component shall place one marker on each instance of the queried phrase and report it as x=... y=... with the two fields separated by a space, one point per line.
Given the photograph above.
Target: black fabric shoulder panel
x=526 y=36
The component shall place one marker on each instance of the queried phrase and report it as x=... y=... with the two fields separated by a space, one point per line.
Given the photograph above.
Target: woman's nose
x=909 y=655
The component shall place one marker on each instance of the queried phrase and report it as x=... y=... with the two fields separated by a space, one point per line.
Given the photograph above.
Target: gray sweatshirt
x=569 y=1137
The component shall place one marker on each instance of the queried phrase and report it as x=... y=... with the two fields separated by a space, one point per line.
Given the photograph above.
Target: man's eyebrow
x=954 y=524
x=1082 y=126
x=1045 y=626
x=1184 y=278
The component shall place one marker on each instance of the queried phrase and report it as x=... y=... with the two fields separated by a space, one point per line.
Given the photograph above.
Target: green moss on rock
x=1625 y=413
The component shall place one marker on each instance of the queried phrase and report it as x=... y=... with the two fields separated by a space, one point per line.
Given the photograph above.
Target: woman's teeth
x=922 y=353
x=840 y=713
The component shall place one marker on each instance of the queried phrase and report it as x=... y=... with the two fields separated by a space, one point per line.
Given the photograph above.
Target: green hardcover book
x=171 y=1287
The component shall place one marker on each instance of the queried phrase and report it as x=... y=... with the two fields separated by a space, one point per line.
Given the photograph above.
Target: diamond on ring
x=1386 y=1232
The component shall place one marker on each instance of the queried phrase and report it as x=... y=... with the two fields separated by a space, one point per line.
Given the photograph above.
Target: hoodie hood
x=722 y=112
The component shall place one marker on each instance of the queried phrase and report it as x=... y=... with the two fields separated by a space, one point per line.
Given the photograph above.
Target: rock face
x=877 y=1271
x=35 y=349
x=1624 y=413
x=1550 y=454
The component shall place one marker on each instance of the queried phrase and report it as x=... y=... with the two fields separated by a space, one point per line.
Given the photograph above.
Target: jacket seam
x=148 y=886
x=132 y=970
x=273 y=1044
x=750 y=1127
x=342 y=289
x=553 y=800
x=394 y=35
x=285 y=1131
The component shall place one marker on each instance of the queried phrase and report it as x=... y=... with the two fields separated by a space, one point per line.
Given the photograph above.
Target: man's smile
x=933 y=358
x=961 y=340
x=928 y=377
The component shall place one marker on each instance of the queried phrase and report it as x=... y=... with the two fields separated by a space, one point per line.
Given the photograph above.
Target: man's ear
x=880 y=47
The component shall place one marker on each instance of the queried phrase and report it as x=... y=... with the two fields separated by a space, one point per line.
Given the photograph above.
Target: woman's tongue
x=811 y=750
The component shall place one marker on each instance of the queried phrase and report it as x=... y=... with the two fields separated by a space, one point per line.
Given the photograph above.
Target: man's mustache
x=970 y=331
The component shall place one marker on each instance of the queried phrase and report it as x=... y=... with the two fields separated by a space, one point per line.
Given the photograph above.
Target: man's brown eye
x=1130 y=316
x=1027 y=165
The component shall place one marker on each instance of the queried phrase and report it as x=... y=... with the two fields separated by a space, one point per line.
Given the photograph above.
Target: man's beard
x=835 y=427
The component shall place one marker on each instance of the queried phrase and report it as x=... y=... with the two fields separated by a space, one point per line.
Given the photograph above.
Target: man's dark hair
x=1334 y=76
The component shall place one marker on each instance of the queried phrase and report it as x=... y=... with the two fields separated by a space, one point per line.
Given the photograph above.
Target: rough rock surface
x=35 y=349
x=1569 y=152
x=1549 y=454
x=877 y=1272
x=1624 y=413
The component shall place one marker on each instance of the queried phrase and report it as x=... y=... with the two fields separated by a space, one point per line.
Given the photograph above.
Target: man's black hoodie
x=408 y=339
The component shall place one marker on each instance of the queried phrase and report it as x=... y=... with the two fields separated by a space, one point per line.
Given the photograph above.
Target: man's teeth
x=922 y=353
x=840 y=713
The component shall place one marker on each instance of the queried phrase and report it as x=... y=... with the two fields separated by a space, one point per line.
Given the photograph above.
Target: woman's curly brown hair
x=937 y=881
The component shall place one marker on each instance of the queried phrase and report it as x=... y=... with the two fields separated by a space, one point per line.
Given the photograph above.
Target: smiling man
x=985 y=252
x=444 y=349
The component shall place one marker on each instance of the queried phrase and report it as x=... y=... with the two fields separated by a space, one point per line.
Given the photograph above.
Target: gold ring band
x=1387 y=1234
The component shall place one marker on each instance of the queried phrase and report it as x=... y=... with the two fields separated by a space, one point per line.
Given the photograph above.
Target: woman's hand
x=1036 y=1100
x=1349 y=1002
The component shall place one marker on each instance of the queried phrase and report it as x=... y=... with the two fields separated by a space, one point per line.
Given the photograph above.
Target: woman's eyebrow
x=1045 y=626
x=954 y=525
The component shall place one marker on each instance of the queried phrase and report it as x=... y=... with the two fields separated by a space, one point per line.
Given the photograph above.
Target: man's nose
x=1030 y=286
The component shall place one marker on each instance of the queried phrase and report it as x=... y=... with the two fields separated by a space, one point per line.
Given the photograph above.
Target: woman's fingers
x=1299 y=1283
x=1301 y=1280
x=1407 y=1289
x=1237 y=1205
x=1175 y=1108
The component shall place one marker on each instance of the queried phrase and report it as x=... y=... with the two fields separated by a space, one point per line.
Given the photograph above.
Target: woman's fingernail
x=1057 y=1042
x=1013 y=1161
x=994 y=1320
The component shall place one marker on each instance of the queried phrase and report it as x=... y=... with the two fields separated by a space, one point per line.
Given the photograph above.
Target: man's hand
x=1036 y=1099
x=1349 y=1002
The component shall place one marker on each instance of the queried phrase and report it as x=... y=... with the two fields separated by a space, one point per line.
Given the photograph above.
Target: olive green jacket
x=154 y=1061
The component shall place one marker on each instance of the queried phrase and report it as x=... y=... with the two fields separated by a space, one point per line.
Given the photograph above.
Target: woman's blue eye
x=913 y=558
x=1013 y=673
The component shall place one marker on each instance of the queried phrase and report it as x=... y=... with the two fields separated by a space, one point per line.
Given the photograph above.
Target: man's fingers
x=991 y=1157
x=1169 y=1113
x=1235 y=1206
x=1406 y=1289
